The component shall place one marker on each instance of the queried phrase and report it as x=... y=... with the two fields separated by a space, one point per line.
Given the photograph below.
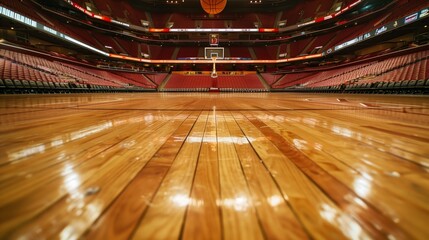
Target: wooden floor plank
x=275 y=216
x=204 y=199
x=165 y=215
x=239 y=216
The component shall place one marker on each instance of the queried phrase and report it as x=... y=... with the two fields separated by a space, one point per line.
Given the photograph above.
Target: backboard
x=210 y=52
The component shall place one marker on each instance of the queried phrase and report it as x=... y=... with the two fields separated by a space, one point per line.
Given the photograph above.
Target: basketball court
x=214 y=166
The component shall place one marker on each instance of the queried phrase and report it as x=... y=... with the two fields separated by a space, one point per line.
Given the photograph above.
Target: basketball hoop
x=214 y=53
x=214 y=73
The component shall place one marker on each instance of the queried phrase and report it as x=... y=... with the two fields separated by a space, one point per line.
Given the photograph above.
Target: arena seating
x=26 y=9
x=319 y=41
x=213 y=24
x=246 y=82
x=412 y=67
x=19 y=75
x=130 y=47
x=25 y=72
x=245 y=21
x=240 y=52
x=267 y=20
x=120 y=10
x=308 y=10
x=14 y=71
x=136 y=79
x=86 y=36
x=159 y=20
x=103 y=8
x=240 y=83
x=182 y=21
x=268 y=52
x=414 y=71
x=329 y=40
x=291 y=79
x=106 y=42
x=185 y=52
x=30 y=10
x=161 y=52
x=157 y=78
x=182 y=82
x=305 y=11
x=392 y=72
x=133 y=15
x=271 y=78
x=325 y=41
x=405 y=7
x=18 y=67
x=127 y=47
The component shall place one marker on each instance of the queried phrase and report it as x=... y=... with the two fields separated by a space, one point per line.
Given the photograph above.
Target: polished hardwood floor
x=214 y=166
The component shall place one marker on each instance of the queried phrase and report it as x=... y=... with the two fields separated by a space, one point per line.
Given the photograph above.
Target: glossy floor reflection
x=214 y=166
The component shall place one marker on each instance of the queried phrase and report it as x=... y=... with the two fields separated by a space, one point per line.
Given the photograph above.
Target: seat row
x=8 y=86
x=402 y=87
x=242 y=90
x=185 y=89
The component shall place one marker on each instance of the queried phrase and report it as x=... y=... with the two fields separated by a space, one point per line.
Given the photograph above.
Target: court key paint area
x=214 y=166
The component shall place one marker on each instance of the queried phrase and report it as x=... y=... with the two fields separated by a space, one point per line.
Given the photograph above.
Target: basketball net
x=214 y=73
